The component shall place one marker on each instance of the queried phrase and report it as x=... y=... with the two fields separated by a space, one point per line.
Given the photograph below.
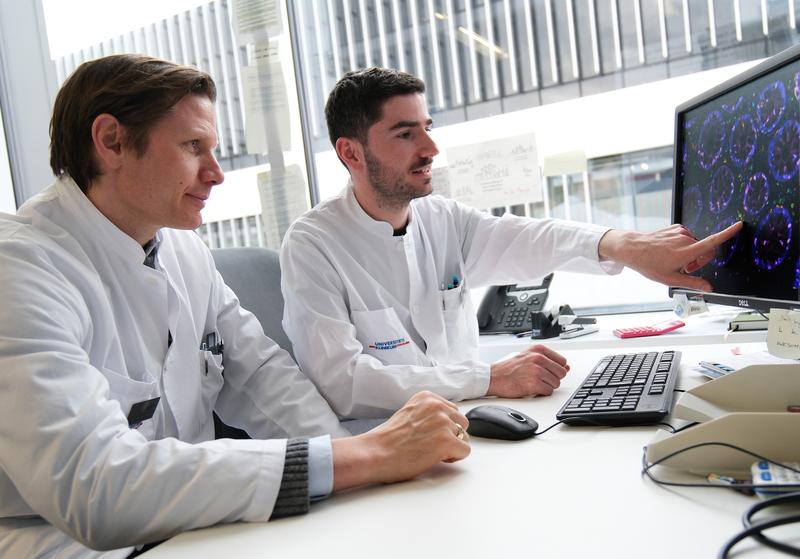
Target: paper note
x=783 y=334
x=496 y=173
x=440 y=181
x=266 y=105
x=284 y=198
x=256 y=20
x=567 y=163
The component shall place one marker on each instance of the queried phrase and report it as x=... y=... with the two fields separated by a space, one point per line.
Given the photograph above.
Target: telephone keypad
x=516 y=317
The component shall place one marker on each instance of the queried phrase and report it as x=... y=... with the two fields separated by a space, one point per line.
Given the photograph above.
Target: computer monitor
x=737 y=156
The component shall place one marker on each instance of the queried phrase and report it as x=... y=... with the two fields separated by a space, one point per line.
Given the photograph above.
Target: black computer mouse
x=500 y=422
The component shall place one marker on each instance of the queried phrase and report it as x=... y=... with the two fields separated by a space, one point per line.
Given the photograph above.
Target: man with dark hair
x=111 y=345
x=375 y=280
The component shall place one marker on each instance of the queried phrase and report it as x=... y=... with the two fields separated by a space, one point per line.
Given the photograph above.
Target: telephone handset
x=506 y=309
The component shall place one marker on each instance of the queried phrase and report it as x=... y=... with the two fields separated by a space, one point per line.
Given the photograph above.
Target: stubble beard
x=391 y=189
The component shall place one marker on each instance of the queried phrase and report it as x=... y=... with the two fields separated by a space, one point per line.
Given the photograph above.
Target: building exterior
x=485 y=62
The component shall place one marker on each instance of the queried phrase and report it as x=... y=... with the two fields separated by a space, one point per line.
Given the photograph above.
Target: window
x=7 y=201
x=252 y=140
x=599 y=77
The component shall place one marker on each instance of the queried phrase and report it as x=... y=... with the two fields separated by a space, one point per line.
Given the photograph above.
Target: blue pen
x=455 y=280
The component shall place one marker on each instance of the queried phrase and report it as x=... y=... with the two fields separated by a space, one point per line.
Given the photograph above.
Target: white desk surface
x=707 y=328
x=571 y=492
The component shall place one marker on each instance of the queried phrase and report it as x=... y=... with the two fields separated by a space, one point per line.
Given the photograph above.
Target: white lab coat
x=370 y=316
x=83 y=336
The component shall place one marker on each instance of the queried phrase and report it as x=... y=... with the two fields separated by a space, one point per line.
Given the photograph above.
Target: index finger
x=713 y=241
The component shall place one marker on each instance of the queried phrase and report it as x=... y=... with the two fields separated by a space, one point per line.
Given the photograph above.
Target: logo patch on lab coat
x=391 y=344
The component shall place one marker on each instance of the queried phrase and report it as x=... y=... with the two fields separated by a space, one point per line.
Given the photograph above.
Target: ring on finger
x=460 y=433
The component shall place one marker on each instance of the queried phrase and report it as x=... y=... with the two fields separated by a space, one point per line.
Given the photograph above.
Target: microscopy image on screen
x=740 y=158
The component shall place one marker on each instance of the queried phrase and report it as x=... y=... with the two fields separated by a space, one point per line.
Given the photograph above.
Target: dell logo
x=744 y=303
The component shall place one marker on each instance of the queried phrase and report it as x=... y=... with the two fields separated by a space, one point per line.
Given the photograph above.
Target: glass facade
x=7 y=199
x=480 y=59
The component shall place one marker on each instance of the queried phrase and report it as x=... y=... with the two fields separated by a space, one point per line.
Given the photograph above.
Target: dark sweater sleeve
x=293 y=495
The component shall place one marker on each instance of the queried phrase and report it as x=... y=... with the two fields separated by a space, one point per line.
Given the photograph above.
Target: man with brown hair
x=111 y=345
x=381 y=272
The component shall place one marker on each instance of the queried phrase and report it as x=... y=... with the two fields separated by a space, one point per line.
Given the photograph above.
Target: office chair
x=254 y=274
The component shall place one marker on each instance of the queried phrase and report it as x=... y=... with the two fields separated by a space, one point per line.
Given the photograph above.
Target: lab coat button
x=415 y=309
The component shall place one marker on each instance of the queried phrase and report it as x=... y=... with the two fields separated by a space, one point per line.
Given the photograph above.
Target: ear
x=351 y=152
x=107 y=137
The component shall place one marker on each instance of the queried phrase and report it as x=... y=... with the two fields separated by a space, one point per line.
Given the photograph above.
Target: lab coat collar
x=380 y=228
x=91 y=223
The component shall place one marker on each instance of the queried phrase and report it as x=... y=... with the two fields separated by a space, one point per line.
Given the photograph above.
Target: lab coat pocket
x=211 y=377
x=457 y=325
x=384 y=337
x=129 y=392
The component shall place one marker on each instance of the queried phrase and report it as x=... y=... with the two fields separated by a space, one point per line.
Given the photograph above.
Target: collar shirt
x=374 y=318
x=84 y=332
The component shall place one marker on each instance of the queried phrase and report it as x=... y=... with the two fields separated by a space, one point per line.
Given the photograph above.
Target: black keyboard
x=625 y=389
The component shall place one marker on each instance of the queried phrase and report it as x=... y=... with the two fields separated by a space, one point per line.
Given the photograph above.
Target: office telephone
x=506 y=309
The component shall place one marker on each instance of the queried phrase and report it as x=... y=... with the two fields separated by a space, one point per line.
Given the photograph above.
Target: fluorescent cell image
x=773 y=238
x=756 y=194
x=692 y=207
x=770 y=105
x=733 y=107
x=742 y=140
x=784 y=151
x=722 y=186
x=725 y=251
x=797 y=86
x=711 y=140
x=797 y=274
x=737 y=158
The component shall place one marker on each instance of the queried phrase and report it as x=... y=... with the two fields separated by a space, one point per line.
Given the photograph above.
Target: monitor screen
x=737 y=156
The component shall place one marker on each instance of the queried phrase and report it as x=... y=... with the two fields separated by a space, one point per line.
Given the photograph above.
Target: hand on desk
x=536 y=371
x=666 y=256
x=418 y=436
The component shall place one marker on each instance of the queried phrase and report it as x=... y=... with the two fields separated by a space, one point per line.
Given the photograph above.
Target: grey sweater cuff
x=293 y=494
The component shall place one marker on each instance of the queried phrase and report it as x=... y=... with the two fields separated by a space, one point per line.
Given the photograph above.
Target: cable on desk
x=747 y=518
x=750 y=529
x=546 y=430
x=756 y=530
x=674 y=429
x=692 y=424
x=671 y=428
x=647 y=467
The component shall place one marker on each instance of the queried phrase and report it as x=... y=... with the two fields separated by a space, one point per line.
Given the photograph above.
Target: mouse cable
x=559 y=422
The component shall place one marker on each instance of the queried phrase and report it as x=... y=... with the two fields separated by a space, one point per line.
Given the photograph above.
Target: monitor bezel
x=761 y=69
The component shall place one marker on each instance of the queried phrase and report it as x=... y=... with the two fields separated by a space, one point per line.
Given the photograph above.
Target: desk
x=572 y=492
x=709 y=328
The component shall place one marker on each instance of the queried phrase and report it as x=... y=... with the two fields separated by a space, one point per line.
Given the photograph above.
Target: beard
x=391 y=188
